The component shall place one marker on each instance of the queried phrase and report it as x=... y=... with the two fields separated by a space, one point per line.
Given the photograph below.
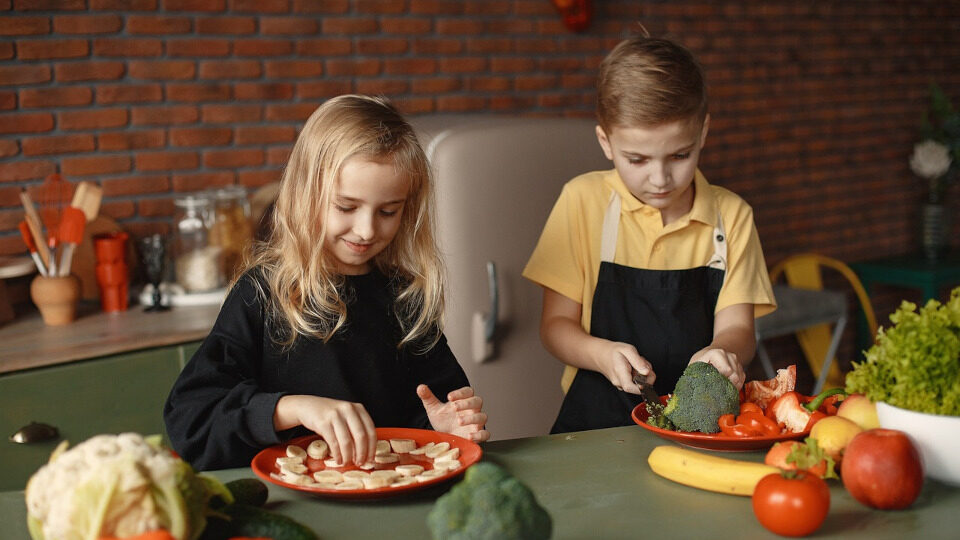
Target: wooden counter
x=28 y=343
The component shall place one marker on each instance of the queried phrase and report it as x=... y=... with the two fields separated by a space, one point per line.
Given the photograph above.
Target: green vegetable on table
x=489 y=504
x=702 y=395
x=915 y=364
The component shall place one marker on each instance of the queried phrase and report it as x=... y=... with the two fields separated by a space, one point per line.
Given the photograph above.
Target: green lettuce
x=915 y=364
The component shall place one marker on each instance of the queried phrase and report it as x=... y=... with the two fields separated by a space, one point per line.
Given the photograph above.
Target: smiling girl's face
x=364 y=212
x=657 y=164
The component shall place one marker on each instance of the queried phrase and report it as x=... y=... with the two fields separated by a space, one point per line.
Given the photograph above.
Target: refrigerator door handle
x=485 y=325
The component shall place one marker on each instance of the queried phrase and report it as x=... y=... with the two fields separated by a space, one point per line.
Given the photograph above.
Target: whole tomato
x=882 y=469
x=791 y=504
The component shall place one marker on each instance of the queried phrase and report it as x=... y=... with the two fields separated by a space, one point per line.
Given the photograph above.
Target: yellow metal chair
x=802 y=271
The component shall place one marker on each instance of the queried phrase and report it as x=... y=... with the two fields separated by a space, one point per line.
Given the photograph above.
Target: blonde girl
x=335 y=326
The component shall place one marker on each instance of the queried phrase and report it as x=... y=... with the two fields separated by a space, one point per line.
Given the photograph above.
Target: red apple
x=882 y=469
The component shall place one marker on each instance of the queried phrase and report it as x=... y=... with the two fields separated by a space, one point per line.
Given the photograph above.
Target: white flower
x=930 y=159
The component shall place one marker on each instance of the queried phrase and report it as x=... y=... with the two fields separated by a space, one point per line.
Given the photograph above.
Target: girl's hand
x=346 y=426
x=726 y=363
x=619 y=361
x=460 y=415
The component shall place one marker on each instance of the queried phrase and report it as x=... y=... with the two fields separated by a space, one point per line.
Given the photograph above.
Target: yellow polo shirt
x=567 y=256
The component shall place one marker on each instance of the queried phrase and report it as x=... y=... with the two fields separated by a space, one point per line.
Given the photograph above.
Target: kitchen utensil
x=70 y=234
x=56 y=298
x=646 y=390
x=54 y=192
x=87 y=197
x=32 y=246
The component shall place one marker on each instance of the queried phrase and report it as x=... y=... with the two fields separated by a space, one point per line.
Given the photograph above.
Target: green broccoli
x=701 y=396
x=489 y=503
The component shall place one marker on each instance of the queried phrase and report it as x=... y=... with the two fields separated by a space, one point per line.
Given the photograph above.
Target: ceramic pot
x=56 y=298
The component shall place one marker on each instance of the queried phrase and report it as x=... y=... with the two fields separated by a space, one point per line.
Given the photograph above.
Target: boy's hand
x=460 y=415
x=726 y=363
x=619 y=361
x=346 y=426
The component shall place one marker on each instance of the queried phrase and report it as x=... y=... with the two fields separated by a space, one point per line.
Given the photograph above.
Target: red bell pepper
x=788 y=410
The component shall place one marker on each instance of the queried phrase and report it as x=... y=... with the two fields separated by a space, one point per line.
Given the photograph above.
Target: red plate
x=715 y=441
x=265 y=462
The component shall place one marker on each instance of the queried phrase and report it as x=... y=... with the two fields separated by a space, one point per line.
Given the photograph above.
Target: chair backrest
x=803 y=271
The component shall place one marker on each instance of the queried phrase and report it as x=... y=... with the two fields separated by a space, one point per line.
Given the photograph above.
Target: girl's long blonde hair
x=307 y=291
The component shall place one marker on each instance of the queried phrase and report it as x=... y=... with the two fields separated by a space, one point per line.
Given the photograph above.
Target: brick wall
x=815 y=105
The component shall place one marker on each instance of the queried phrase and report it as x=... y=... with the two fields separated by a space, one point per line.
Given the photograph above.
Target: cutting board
x=85 y=262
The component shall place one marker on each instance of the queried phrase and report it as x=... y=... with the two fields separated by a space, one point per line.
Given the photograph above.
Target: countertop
x=595 y=484
x=29 y=343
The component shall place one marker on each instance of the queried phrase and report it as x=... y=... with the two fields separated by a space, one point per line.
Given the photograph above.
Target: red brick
x=229 y=114
x=380 y=7
x=405 y=25
x=382 y=46
x=197 y=47
x=229 y=69
x=156 y=207
x=511 y=26
x=8 y=147
x=535 y=82
x=24 y=26
x=87 y=24
x=117 y=209
x=293 y=69
x=436 y=7
x=60 y=144
x=512 y=65
x=410 y=66
x=262 y=47
x=164 y=116
x=204 y=136
x=278 y=156
x=8 y=100
x=382 y=86
x=460 y=103
x=533 y=7
x=327 y=6
x=354 y=67
x=157 y=24
x=201 y=181
x=26 y=123
x=195 y=5
x=141 y=47
x=535 y=46
x=429 y=46
x=162 y=70
x=460 y=27
x=260 y=6
x=488 y=7
x=135 y=185
x=489 y=45
x=166 y=161
x=488 y=84
x=324 y=47
x=415 y=105
x=436 y=85
x=89 y=71
x=10 y=196
x=226 y=25
x=350 y=26
x=264 y=134
x=287 y=26
x=132 y=140
x=324 y=89
x=63 y=96
x=263 y=91
x=16 y=171
x=24 y=74
x=259 y=178
x=86 y=166
x=123 y=5
x=463 y=64
x=196 y=92
x=49 y=5
x=92 y=119
x=6 y=49
x=230 y=159
x=129 y=93
x=295 y=112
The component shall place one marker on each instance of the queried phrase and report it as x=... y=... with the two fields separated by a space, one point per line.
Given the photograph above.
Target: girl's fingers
x=477 y=419
x=344 y=438
x=360 y=436
x=460 y=393
x=480 y=436
x=474 y=402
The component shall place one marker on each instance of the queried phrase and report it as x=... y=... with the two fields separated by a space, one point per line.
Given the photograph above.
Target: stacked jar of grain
x=198 y=266
x=231 y=229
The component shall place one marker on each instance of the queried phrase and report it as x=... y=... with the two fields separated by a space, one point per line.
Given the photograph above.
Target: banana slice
x=422 y=449
x=383 y=447
x=349 y=484
x=387 y=458
x=328 y=477
x=409 y=470
x=403 y=481
x=368 y=466
x=297 y=479
x=374 y=482
x=297 y=452
x=355 y=475
x=318 y=449
x=430 y=475
x=452 y=453
x=333 y=463
x=324 y=485
x=447 y=464
x=293 y=468
x=403 y=446
x=286 y=460
x=437 y=449
x=388 y=474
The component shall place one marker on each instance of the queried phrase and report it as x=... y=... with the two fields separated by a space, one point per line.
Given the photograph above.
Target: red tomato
x=791 y=504
x=882 y=469
x=778 y=454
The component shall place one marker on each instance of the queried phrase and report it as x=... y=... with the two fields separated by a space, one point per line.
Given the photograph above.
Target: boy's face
x=364 y=212
x=658 y=164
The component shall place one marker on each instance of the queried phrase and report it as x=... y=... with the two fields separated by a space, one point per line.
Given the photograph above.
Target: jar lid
x=192 y=201
x=230 y=193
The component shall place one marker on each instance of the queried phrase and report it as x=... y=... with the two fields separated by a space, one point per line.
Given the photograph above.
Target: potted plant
x=936 y=158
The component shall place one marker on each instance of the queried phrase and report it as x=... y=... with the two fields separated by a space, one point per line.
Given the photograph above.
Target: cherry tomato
x=791 y=504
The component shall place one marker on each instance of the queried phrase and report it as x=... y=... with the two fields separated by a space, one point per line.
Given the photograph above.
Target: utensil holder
x=56 y=298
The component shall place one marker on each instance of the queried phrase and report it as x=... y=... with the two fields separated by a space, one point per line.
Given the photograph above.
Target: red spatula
x=70 y=233
x=32 y=246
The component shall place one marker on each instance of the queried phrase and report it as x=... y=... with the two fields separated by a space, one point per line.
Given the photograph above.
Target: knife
x=646 y=390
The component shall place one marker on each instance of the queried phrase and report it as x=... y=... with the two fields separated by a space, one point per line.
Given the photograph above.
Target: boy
x=647 y=268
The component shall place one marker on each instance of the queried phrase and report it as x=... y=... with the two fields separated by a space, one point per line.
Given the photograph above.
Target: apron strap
x=611 y=224
x=719 y=259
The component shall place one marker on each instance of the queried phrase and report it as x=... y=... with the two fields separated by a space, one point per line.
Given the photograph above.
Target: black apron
x=666 y=314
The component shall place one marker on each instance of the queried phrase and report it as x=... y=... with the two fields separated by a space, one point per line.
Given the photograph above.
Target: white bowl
x=937 y=437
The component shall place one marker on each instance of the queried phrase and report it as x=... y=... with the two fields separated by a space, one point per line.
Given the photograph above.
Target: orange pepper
x=748 y=406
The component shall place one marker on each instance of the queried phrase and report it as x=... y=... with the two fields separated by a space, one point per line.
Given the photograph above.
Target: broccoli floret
x=701 y=396
x=656 y=418
x=489 y=504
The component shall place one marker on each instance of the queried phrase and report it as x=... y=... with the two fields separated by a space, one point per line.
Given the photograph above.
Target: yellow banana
x=704 y=471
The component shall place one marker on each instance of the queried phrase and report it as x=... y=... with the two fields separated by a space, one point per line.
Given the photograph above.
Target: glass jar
x=198 y=263
x=231 y=229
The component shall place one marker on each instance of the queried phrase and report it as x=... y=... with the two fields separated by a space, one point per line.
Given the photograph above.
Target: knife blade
x=646 y=390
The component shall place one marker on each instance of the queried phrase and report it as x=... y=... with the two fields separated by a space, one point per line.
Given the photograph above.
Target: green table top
x=595 y=485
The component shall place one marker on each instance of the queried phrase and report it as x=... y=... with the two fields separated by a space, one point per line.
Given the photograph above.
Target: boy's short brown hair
x=647 y=81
